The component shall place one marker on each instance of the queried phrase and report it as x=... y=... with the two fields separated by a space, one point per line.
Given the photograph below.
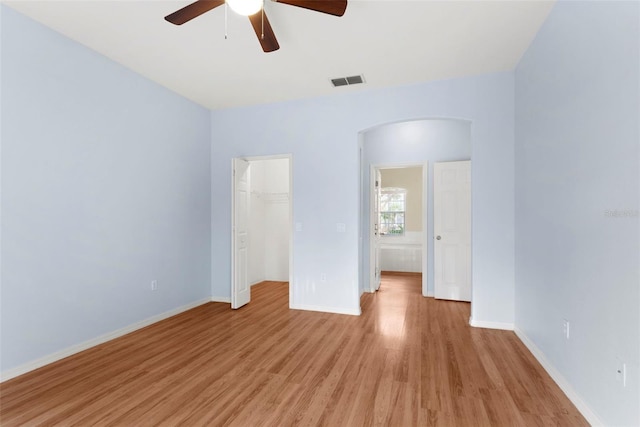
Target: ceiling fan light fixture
x=245 y=7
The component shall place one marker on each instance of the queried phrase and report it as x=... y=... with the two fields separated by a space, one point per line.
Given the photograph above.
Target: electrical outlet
x=621 y=372
x=565 y=328
x=154 y=285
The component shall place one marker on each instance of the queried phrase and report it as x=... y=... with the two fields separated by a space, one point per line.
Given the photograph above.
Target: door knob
x=438 y=237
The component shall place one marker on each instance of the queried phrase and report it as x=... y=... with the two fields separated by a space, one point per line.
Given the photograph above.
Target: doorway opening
x=416 y=143
x=397 y=216
x=262 y=239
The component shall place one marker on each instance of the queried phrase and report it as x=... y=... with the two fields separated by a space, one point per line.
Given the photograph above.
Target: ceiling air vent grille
x=346 y=81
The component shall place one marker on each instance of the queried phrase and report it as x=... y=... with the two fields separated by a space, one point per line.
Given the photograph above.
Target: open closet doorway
x=262 y=226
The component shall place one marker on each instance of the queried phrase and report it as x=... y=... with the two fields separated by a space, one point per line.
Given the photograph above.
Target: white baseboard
x=490 y=325
x=221 y=299
x=591 y=417
x=69 y=351
x=352 y=312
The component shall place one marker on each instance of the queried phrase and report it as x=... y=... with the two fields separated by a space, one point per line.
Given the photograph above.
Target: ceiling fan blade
x=269 y=42
x=193 y=10
x=332 y=7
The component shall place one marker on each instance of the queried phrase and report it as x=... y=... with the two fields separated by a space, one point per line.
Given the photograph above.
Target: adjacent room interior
x=401 y=225
x=269 y=222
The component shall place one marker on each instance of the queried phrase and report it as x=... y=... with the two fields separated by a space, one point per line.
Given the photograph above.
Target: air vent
x=346 y=81
x=339 y=82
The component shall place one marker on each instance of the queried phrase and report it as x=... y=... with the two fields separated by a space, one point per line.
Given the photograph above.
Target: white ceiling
x=392 y=42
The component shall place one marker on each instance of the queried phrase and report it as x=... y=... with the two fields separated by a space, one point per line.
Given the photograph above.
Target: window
x=392 y=209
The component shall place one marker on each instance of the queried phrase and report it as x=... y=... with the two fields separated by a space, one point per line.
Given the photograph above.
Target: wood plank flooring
x=406 y=361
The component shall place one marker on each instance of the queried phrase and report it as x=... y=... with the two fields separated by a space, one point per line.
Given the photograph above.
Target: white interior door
x=240 y=289
x=376 y=190
x=452 y=230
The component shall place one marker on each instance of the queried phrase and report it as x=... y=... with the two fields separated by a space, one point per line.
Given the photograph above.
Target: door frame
x=291 y=227
x=374 y=237
x=425 y=222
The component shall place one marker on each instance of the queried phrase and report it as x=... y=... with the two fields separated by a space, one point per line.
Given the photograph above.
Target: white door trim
x=374 y=252
x=291 y=227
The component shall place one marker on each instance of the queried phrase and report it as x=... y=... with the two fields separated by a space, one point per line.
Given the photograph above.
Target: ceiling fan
x=252 y=9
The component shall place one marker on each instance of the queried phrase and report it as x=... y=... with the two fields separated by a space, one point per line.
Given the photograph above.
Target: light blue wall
x=322 y=135
x=416 y=141
x=105 y=187
x=577 y=160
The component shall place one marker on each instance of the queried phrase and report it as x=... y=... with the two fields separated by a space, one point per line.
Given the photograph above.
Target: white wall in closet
x=269 y=221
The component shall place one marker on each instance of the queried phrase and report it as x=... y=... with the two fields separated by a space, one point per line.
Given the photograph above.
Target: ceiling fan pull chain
x=225 y=21
x=262 y=36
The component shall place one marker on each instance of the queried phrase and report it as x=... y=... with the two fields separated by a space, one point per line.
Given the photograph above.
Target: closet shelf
x=271 y=197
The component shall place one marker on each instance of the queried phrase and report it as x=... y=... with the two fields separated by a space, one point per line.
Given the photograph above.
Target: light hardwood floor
x=406 y=361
